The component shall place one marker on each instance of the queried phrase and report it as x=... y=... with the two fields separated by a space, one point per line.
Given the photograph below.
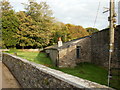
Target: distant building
x=94 y=49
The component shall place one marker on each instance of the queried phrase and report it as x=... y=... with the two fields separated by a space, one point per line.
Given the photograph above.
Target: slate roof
x=66 y=44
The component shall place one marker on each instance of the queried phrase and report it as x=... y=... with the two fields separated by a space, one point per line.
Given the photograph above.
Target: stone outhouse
x=71 y=53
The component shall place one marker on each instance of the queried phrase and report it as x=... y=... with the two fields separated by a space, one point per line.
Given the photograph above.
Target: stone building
x=94 y=49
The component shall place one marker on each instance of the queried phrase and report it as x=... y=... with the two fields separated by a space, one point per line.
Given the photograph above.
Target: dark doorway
x=78 y=49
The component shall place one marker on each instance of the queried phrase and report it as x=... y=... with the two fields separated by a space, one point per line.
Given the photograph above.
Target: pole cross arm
x=106 y=9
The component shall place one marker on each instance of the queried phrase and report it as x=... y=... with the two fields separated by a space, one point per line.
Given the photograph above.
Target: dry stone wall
x=31 y=75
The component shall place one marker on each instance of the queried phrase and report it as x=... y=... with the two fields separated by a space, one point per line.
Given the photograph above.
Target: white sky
x=78 y=12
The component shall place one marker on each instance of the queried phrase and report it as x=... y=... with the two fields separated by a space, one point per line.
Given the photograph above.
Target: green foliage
x=42 y=22
x=9 y=23
x=91 y=30
x=60 y=30
x=35 y=27
x=26 y=33
x=68 y=32
x=76 y=31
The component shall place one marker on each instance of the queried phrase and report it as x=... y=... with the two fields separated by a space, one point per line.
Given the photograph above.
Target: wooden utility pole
x=112 y=20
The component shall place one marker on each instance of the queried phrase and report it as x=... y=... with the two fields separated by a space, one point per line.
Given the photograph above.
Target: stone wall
x=85 y=52
x=118 y=45
x=67 y=56
x=31 y=75
x=100 y=48
x=53 y=54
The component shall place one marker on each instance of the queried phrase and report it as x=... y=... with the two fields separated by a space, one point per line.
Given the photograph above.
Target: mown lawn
x=83 y=70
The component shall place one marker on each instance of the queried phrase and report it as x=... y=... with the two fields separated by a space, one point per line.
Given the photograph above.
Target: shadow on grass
x=42 y=58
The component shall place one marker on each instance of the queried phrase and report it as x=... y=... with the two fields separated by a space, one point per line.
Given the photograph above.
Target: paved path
x=6 y=78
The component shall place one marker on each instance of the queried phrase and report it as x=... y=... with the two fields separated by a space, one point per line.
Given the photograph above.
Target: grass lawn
x=83 y=70
x=88 y=71
x=36 y=57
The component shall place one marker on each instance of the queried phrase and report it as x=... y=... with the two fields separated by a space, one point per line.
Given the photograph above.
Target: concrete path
x=6 y=78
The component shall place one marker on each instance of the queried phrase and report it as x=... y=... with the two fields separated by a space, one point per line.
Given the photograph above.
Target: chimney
x=59 y=42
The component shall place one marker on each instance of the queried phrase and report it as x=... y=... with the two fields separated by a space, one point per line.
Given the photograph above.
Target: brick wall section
x=31 y=75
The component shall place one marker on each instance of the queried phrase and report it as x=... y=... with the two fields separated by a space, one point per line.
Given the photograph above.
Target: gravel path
x=8 y=81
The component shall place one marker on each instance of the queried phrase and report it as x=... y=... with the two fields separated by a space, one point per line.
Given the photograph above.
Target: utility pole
x=112 y=20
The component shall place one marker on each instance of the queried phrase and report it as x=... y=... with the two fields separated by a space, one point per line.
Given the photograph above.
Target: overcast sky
x=78 y=12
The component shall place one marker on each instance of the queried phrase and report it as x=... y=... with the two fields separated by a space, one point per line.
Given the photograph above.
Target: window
x=78 y=51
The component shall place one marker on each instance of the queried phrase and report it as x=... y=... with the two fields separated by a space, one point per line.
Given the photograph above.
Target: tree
x=67 y=32
x=9 y=23
x=60 y=30
x=42 y=22
x=25 y=34
x=91 y=30
x=76 y=31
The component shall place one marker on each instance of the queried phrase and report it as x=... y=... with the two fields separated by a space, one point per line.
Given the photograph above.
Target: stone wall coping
x=73 y=80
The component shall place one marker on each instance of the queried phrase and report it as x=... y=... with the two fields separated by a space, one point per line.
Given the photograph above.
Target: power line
x=97 y=14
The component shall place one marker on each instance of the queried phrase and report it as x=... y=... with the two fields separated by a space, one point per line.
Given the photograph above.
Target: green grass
x=88 y=71
x=40 y=58
x=83 y=70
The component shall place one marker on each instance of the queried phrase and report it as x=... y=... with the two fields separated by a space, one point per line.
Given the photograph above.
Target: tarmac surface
x=7 y=80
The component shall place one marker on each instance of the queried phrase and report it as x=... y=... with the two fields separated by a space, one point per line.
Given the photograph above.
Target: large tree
x=26 y=31
x=9 y=23
x=42 y=22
